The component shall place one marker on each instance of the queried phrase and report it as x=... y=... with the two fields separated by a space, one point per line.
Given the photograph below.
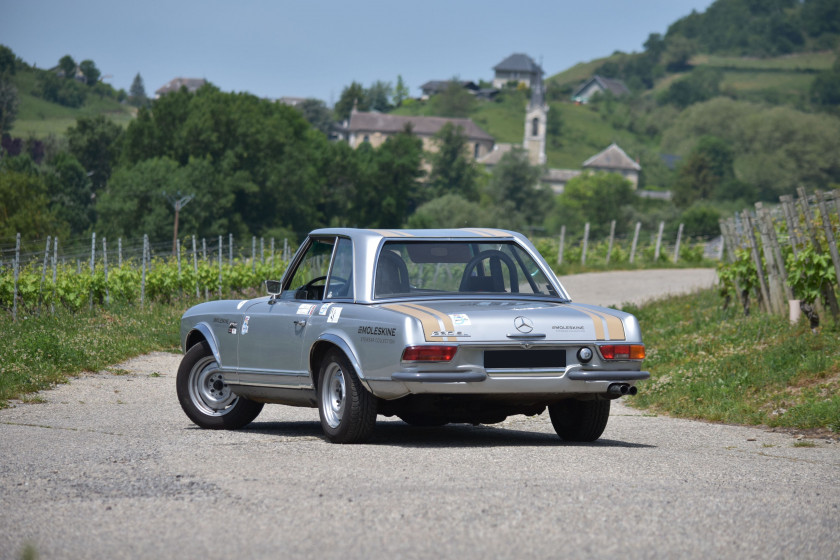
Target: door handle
x=300 y=322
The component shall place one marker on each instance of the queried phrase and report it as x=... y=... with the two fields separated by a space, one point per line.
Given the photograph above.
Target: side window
x=341 y=277
x=310 y=277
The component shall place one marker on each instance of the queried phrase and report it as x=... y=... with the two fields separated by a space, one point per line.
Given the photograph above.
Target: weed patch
x=717 y=365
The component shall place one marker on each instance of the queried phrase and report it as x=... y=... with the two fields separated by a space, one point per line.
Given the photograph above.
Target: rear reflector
x=429 y=353
x=623 y=351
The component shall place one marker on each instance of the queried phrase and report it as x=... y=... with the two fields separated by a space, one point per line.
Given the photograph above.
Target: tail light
x=429 y=353
x=623 y=351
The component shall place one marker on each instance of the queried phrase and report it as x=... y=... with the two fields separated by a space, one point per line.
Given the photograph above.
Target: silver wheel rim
x=333 y=392
x=208 y=390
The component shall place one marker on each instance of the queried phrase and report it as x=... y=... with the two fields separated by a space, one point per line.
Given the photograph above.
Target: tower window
x=535 y=126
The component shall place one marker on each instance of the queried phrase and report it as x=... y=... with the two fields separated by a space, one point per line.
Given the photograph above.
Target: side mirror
x=273 y=287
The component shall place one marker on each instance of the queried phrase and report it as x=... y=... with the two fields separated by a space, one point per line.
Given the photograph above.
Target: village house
x=433 y=87
x=519 y=68
x=375 y=128
x=598 y=84
x=192 y=84
x=610 y=160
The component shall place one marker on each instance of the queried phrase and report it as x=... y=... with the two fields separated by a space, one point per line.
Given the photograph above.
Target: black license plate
x=524 y=359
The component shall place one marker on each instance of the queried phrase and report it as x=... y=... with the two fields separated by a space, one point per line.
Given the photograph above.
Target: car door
x=271 y=350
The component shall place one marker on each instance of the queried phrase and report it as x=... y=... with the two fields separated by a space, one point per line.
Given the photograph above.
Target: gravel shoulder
x=110 y=467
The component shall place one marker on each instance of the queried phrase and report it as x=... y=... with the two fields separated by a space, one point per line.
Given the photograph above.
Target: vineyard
x=785 y=259
x=47 y=281
x=36 y=279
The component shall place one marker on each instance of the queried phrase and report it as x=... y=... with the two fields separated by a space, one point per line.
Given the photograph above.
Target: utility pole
x=177 y=202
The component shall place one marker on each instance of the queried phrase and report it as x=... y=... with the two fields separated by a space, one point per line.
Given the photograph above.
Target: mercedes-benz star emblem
x=523 y=324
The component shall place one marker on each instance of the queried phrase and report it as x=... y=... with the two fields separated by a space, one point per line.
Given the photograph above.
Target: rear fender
x=318 y=350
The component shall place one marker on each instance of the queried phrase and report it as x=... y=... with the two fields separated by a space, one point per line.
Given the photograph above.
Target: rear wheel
x=575 y=420
x=347 y=410
x=206 y=398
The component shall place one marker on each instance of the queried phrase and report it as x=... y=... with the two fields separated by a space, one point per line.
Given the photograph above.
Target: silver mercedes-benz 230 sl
x=433 y=326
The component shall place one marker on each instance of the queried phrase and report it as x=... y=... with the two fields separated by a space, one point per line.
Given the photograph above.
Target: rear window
x=457 y=267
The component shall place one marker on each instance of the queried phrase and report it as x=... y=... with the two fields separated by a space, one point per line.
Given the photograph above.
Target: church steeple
x=536 y=117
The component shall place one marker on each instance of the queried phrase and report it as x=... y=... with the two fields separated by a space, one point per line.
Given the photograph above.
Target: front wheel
x=347 y=410
x=575 y=420
x=206 y=398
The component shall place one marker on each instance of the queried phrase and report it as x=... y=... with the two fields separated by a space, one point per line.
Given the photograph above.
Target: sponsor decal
x=568 y=327
x=232 y=328
x=306 y=308
x=324 y=308
x=245 y=324
x=220 y=320
x=335 y=313
x=451 y=333
x=377 y=331
x=459 y=320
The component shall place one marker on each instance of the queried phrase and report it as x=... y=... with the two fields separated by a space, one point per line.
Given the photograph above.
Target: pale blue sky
x=315 y=48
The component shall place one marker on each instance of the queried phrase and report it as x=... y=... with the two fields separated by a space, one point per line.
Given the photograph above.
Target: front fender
x=199 y=331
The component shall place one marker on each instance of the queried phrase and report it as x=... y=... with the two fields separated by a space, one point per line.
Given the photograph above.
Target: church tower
x=536 y=117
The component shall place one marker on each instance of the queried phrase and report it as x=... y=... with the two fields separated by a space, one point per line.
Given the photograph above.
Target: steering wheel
x=491 y=254
x=310 y=288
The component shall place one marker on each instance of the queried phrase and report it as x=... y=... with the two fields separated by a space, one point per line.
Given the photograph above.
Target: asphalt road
x=110 y=467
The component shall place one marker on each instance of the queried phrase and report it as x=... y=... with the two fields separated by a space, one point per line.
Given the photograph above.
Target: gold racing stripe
x=430 y=321
x=615 y=328
x=596 y=321
x=485 y=232
x=391 y=233
x=444 y=319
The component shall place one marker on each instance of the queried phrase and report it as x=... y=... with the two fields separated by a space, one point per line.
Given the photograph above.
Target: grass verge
x=716 y=365
x=40 y=351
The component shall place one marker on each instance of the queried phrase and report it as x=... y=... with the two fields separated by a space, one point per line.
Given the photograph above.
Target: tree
x=8 y=61
x=825 y=89
x=453 y=171
x=386 y=194
x=137 y=92
x=90 y=71
x=68 y=66
x=8 y=104
x=514 y=185
x=378 y=96
x=353 y=95
x=596 y=198
x=70 y=193
x=316 y=112
x=24 y=206
x=454 y=101
x=706 y=174
x=678 y=51
x=94 y=141
x=454 y=211
x=401 y=92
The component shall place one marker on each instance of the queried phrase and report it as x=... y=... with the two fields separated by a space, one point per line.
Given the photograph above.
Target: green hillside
x=39 y=118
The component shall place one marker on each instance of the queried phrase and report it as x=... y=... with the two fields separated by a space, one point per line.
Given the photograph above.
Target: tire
x=575 y=420
x=204 y=396
x=346 y=408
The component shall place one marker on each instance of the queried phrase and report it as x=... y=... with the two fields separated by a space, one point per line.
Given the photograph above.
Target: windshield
x=457 y=267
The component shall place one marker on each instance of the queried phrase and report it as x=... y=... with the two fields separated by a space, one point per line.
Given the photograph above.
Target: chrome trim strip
x=444 y=377
x=584 y=375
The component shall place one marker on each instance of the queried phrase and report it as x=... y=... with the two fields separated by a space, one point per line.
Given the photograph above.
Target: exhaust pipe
x=619 y=389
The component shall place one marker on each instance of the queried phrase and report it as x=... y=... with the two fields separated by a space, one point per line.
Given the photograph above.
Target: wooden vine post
x=752 y=244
